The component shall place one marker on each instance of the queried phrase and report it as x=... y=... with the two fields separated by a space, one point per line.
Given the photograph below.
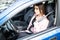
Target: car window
x=27 y=13
x=23 y=20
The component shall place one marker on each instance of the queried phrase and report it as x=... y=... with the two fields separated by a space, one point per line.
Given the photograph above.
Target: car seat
x=50 y=17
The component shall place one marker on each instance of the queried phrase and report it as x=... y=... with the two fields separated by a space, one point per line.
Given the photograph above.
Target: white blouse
x=39 y=26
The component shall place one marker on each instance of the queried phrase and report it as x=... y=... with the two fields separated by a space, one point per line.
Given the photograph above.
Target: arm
x=40 y=26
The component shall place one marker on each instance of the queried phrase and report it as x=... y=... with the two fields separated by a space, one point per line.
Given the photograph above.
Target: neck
x=39 y=15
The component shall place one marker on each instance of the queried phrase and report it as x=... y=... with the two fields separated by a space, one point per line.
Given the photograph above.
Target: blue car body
x=49 y=34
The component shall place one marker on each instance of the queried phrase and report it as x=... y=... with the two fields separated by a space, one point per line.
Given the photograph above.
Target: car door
x=49 y=34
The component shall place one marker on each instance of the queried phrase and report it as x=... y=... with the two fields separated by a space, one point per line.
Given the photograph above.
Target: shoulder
x=45 y=20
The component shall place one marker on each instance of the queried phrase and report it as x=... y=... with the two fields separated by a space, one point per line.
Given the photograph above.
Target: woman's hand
x=26 y=31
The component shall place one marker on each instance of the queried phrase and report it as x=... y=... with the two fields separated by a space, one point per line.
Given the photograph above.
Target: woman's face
x=37 y=12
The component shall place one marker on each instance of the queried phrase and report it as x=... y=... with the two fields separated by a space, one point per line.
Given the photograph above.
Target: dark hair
x=41 y=7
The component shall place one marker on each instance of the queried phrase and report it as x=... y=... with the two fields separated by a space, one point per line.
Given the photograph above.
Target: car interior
x=21 y=20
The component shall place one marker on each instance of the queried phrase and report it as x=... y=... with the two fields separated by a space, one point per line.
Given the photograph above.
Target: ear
x=41 y=11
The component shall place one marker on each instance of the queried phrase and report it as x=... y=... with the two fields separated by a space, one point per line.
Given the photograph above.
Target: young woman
x=39 y=23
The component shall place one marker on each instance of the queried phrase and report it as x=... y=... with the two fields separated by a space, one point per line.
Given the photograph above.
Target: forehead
x=35 y=6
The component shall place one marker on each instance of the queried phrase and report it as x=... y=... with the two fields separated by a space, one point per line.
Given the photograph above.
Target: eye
x=36 y=8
